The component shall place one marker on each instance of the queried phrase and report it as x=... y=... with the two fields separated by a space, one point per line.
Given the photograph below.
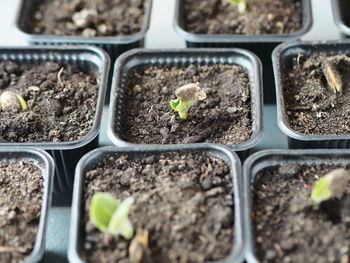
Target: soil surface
x=59 y=109
x=312 y=106
x=262 y=17
x=223 y=117
x=87 y=18
x=287 y=228
x=21 y=190
x=184 y=201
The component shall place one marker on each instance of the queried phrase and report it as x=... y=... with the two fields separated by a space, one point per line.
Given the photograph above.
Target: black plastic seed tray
x=57 y=236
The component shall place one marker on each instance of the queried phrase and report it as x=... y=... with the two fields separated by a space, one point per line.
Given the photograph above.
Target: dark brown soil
x=224 y=117
x=87 y=18
x=184 y=201
x=287 y=229
x=312 y=106
x=21 y=189
x=262 y=17
x=55 y=112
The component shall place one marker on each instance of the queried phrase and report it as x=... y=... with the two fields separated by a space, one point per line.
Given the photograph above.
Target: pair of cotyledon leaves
x=110 y=215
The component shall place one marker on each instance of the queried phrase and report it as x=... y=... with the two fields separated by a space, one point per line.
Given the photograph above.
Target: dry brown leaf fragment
x=333 y=76
x=190 y=92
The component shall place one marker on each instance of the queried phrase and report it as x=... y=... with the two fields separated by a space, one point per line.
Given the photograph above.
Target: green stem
x=183 y=115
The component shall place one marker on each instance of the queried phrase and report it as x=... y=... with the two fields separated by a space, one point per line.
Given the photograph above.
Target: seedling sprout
x=186 y=97
x=241 y=5
x=11 y=101
x=110 y=215
x=329 y=186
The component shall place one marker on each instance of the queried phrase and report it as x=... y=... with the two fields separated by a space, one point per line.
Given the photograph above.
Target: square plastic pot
x=281 y=57
x=45 y=163
x=91 y=159
x=261 y=45
x=270 y=158
x=341 y=16
x=114 y=46
x=93 y=61
x=184 y=57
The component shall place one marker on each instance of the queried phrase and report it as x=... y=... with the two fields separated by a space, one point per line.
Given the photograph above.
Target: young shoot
x=110 y=215
x=11 y=101
x=329 y=186
x=186 y=97
x=241 y=5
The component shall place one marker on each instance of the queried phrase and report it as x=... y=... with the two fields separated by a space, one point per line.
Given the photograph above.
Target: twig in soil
x=151 y=110
x=59 y=77
x=4 y=249
x=138 y=249
x=298 y=59
x=278 y=249
x=299 y=108
x=106 y=238
x=329 y=186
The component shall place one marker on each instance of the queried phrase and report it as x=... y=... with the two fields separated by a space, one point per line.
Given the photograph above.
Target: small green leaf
x=241 y=4
x=120 y=223
x=22 y=102
x=331 y=185
x=181 y=107
x=174 y=103
x=102 y=208
x=320 y=191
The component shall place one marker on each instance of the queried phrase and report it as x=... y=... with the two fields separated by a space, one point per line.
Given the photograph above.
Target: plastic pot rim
x=339 y=21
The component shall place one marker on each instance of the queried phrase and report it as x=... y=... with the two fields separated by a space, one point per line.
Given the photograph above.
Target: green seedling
x=186 y=97
x=110 y=215
x=329 y=186
x=11 y=101
x=241 y=5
